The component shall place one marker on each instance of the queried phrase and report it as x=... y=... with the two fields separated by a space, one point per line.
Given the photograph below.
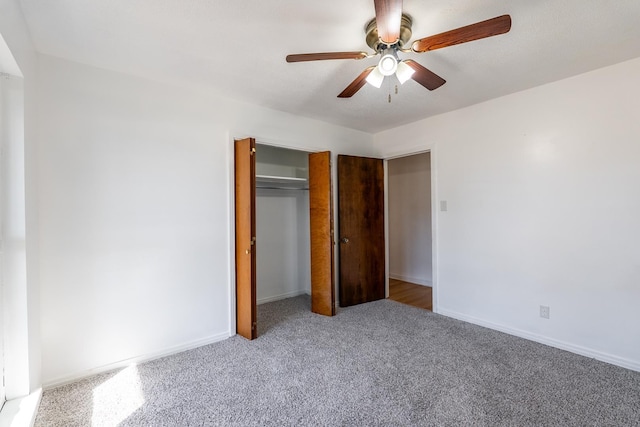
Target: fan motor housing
x=373 y=39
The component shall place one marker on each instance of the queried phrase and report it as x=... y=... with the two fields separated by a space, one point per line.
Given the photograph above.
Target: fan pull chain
x=396 y=92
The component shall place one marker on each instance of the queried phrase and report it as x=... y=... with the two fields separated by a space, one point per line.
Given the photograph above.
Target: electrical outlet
x=443 y=205
x=544 y=311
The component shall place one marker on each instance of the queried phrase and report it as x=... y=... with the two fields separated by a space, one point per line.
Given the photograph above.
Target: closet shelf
x=283 y=182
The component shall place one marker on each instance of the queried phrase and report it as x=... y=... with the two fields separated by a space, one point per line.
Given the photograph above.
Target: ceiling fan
x=388 y=33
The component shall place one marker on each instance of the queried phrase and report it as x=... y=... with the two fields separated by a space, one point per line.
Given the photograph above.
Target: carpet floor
x=380 y=364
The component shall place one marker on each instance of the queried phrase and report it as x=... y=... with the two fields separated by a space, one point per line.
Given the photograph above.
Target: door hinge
x=252 y=151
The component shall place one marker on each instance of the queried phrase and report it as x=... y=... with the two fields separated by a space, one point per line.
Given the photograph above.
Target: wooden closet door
x=245 y=212
x=361 y=234
x=322 y=239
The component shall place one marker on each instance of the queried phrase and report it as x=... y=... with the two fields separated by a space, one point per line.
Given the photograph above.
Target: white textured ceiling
x=239 y=48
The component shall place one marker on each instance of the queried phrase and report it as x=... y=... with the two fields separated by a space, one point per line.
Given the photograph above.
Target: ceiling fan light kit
x=375 y=78
x=389 y=32
x=404 y=72
x=388 y=63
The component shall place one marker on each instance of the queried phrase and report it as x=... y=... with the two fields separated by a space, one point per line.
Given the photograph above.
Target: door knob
x=344 y=240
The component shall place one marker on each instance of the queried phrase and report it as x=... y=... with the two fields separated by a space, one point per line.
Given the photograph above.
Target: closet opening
x=283 y=260
x=283 y=229
x=410 y=230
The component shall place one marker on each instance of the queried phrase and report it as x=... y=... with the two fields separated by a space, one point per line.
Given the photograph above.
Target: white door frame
x=434 y=219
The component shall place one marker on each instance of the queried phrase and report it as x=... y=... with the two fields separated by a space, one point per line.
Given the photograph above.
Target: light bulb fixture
x=375 y=78
x=388 y=63
x=386 y=67
x=404 y=72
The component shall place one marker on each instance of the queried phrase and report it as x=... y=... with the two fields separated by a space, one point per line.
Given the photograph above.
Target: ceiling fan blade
x=357 y=84
x=388 y=17
x=326 y=55
x=477 y=31
x=425 y=77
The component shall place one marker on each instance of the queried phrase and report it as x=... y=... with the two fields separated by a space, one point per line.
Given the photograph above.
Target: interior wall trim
x=21 y=411
x=415 y=280
x=283 y=296
x=634 y=365
x=66 y=379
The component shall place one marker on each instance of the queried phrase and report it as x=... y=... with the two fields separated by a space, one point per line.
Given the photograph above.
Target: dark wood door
x=245 y=212
x=322 y=239
x=361 y=230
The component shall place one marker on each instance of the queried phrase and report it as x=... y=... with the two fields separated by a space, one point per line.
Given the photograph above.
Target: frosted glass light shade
x=387 y=65
x=404 y=72
x=375 y=78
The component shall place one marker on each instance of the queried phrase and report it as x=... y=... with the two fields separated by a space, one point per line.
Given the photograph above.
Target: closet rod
x=264 y=187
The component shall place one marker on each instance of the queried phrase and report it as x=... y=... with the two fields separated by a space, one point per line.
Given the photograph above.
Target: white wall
x=543 y=208
x=22 y=345
x=283 y=248
x=409 y=206
x=135 y=212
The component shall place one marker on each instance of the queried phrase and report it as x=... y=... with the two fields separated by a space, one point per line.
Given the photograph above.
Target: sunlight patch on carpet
x=117 y=398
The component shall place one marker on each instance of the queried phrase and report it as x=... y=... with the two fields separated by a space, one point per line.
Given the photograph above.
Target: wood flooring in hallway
x=411 y=294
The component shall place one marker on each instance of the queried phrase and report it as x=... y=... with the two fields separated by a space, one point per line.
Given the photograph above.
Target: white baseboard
x=21 y=412
x=282 y=296
x=60 y=381
x=563 y=345
x=416 y=280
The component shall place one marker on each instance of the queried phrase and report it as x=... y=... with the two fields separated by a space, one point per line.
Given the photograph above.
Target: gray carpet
x=382 y=363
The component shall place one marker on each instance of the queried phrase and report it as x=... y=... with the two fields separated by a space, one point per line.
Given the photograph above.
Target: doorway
x=410 y=230
x=290 y=191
